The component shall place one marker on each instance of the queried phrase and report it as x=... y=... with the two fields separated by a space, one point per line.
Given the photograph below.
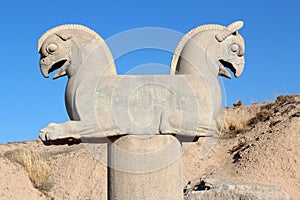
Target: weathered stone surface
x=210 y=49
x=145 y=167
x=102 y=104
x=82 y=55
x=216 y=189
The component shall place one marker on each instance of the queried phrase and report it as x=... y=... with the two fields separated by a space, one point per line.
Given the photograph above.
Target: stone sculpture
x=101 y=103
x=210 y=47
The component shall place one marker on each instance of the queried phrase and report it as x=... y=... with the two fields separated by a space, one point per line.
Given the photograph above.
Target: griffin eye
x=51 y=48
x=234 y=48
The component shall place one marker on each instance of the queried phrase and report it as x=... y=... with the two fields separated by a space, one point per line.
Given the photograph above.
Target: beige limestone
x=93 y=86
x=102 y=104
x=145 y=167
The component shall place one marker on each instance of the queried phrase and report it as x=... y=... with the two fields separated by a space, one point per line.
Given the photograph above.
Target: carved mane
x=82 y=28
x=189 y=36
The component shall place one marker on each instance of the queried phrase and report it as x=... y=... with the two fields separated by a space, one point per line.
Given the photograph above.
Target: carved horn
x=230 y=29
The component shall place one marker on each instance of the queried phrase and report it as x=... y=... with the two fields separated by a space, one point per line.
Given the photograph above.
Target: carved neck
x=89 y=59
x=197 y=57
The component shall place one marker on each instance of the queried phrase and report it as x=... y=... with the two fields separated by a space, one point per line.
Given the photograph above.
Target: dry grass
x=35 y=165
x=231 y=125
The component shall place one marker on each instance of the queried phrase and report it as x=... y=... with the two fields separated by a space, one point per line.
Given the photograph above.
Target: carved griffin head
x=210 y=49
x=62 y=49
x=54 y=52
x=231 y=51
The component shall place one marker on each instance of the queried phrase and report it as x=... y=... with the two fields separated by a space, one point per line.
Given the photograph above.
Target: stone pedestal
x=145 y=167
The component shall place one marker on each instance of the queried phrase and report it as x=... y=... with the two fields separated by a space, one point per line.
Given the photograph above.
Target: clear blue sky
x=29 y=102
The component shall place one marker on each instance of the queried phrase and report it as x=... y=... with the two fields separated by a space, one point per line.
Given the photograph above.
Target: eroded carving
x=101 y=103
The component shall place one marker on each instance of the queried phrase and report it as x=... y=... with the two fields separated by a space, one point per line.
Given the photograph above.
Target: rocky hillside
x=256 y=154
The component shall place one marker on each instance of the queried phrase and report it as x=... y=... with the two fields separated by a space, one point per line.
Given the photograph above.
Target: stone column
x=145 y=167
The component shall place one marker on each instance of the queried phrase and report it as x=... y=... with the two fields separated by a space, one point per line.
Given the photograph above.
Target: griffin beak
x=45 y=70
x=60 y=72
x=61 y=67
x=224 y=72
x=237 y=70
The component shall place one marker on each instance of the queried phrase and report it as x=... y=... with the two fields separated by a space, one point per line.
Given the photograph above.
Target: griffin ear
x=64 y=36
x=230 y=29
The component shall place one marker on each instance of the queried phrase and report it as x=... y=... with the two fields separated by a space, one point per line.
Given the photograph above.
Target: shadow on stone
x=68 y=141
